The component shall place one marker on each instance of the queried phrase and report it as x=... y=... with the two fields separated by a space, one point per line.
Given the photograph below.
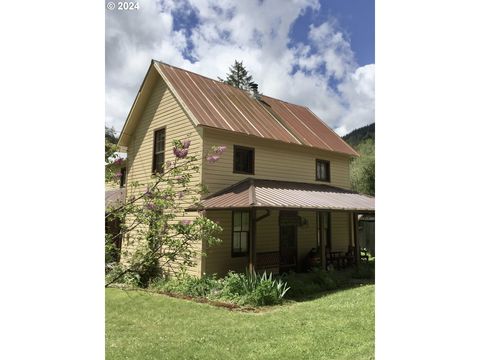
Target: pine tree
x=240 y=78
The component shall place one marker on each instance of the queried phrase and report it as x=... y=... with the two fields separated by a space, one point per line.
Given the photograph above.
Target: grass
x=337 y=325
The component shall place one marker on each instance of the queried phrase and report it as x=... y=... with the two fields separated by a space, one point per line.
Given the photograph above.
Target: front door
x=288 y=248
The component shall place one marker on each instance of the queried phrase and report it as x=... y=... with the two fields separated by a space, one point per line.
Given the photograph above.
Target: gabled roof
x=214 y=104
x=287 y=194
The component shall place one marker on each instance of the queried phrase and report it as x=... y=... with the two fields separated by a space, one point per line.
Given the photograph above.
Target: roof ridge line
x=221 y=82
x=203 y=76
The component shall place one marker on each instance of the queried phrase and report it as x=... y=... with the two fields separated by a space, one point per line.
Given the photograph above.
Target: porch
x=283 y=226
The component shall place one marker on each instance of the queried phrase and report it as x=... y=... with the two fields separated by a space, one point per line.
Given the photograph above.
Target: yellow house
x=281 y=190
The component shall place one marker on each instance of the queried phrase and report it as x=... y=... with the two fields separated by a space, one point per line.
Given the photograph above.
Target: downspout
x=252 y=200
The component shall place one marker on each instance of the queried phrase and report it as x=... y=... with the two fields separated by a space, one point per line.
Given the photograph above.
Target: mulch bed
x=202 y=300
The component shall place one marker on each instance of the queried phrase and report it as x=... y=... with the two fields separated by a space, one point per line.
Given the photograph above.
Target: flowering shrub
x=180 y=148
x=161 y=243
x=215 y=153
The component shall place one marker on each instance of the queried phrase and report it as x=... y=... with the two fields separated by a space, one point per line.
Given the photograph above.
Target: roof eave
x=350 y=155
x=125 y=134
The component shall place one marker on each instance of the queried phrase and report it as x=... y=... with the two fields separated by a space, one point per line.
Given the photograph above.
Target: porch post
x=253 y=240
x=320 y=226
x=355 y=238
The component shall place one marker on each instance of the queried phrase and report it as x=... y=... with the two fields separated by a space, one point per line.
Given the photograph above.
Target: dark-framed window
x=243 y=160
x=322 y=170
x=158 y=151
x=123 y=176
x=240 y=233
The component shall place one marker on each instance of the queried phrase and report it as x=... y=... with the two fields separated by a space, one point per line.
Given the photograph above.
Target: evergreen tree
x=240 y=78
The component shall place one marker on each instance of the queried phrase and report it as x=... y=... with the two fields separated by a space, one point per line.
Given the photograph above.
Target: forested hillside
x=358 y=135
x=362 y=169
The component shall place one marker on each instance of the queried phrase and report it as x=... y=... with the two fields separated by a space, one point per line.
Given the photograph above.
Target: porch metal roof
x=286 y=194
x=114 y=197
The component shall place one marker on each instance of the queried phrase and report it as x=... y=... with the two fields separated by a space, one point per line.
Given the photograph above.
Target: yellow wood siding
x=268 y=232
x=219 y=257
x=112 y=185
x=307 y=235
x=340 y=231
x=273 y=160
x=161 y=110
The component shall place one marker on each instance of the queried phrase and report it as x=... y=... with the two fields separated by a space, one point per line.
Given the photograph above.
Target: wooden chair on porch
x=335 y=259
x=350 y=256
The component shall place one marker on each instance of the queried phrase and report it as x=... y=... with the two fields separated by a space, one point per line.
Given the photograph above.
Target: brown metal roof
x=215 y=104
x=115 y=197
x=285 y=194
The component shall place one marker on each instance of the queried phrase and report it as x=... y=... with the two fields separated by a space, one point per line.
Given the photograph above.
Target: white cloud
x=256 y=32
x=358 y=92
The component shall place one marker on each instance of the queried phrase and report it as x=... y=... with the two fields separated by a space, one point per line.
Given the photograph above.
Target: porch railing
x=269 y=261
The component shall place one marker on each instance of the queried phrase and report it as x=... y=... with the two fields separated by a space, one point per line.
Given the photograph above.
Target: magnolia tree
x=155 y=242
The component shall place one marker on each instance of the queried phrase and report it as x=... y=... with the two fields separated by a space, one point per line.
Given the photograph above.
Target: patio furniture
x=312 y=260
x=337 y=259
x=268 y=261
x=350 y=256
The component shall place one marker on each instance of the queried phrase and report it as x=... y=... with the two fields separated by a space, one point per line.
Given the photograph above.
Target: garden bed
x=250 y=292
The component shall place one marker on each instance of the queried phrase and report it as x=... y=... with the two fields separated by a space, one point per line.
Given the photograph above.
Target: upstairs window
x=240 y=233
x=323 y=170
x=158 y=151
x=243 y=160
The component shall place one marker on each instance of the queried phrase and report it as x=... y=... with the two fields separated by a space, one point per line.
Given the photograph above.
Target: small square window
x=322 y=170
x=243 y=160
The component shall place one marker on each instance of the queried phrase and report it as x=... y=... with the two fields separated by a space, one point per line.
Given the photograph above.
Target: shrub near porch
x=238 y=288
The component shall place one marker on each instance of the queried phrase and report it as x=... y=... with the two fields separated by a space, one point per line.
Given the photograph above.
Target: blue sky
x=314 y=53
x=356 y=18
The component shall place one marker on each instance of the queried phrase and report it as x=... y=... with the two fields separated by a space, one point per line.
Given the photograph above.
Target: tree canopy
x=240 y=78
x=362 y=169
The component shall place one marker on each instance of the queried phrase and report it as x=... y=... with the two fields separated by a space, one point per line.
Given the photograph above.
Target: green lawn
x=148 y=326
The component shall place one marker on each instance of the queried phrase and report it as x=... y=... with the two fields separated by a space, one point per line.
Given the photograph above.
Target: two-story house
x=281 y=189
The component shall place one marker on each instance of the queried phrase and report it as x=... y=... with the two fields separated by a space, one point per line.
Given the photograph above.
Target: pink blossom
x=118 y=174
x=148 y=193
x=118 y=161
x=150 y=206
x=186 y=143
x=186 y=222
x=220 y=149
x=212 y=158
x=180 y=153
